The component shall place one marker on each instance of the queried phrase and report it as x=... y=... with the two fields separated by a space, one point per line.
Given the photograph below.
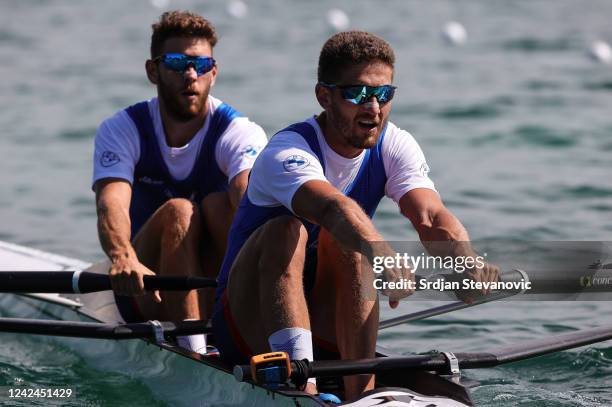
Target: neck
x=333 y=139
x=180 y=131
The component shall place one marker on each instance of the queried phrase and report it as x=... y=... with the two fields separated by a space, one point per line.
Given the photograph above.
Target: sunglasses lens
x=175 y=62
x=361 y=94
x=355 y=94
x=203 y=65
x=383 y=93
x=180 y=63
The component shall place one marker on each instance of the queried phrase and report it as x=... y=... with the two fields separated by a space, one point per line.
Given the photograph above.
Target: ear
x=323 y=96
x=152 y=72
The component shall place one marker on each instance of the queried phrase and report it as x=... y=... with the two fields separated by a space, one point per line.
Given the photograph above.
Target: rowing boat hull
x=209 y=381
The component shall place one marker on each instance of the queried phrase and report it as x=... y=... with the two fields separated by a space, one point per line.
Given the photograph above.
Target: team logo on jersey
x=109 y=159
x=294 y=162
x=250 y=151
x=424 y=169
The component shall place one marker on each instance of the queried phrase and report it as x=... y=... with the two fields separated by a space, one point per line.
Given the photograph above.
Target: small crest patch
x=424 y=169
x=109 y=159
x=295 y=162
x=250 y=151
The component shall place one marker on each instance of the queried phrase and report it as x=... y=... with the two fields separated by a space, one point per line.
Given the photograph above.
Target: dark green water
x=516 y=126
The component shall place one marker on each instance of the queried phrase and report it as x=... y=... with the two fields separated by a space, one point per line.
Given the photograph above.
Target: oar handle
x=75 y=282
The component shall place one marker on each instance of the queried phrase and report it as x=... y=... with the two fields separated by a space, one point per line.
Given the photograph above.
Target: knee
x=181 y=218
x=282 y=242
x=286 y=231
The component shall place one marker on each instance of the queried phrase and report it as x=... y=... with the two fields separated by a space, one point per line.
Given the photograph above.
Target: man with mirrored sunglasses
x=292 y=276
x=169 y=174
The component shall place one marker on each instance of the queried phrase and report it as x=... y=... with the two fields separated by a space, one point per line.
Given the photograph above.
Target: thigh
x=279 y=242
x=176 y=217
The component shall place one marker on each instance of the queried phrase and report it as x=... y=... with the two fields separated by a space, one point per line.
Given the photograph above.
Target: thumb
x=156 y=297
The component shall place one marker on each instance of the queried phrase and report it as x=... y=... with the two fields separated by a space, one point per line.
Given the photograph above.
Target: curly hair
x=180 y=24
x=350 y=48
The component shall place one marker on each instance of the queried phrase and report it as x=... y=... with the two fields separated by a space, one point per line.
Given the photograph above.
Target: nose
x=190 y=73
x=372 y=105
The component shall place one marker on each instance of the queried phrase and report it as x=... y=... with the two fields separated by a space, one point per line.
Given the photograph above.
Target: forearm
x=444 y=235
x=114 y=230
x=349 y=225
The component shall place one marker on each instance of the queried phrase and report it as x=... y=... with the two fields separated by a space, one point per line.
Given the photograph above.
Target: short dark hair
x=351 y=48
x=180 y=24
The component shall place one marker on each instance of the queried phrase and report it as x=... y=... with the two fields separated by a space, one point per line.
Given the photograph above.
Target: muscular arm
x=114 y=230
x=114 y=227
x=442 y=234
x=321 y=203
x=435 y=223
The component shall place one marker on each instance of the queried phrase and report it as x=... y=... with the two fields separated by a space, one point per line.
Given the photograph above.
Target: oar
x=444 y=362
x=152 y=329
x=69 y=282
x=514 y=275
x=545 y=283
x=442 y=309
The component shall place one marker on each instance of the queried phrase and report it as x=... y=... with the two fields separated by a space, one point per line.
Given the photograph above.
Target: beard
x=353 y=135
x=176 y=105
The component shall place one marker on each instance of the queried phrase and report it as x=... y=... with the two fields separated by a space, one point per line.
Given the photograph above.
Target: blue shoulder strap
x=139 y=113
x=211 y=178
x=309 y=134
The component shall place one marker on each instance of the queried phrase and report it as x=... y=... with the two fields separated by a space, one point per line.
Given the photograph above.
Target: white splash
x=237 y=9
x=600 y=51
x=454 y=33
x=160 y=4
x=338 y=19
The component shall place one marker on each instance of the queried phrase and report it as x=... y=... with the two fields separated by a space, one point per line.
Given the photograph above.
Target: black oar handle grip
x=91 y=282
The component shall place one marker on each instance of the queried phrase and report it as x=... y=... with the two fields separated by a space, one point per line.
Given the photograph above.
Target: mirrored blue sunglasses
x=181 y=62
x=360 y=94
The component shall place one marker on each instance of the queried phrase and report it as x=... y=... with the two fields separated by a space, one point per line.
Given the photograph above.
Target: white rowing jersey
x=118 y=138
x=288 y=162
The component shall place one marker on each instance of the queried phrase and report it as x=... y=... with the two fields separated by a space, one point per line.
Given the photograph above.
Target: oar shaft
x=70 y=282
x=97 y=330
x=439 y=362
x=43 y=281
x=443 y=309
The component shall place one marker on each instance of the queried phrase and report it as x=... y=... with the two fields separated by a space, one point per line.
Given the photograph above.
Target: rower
x=292 y=276
x=168 y=175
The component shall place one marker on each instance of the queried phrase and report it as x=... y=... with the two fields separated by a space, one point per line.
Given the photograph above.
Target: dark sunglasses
x=181 y=62
x=360 y=94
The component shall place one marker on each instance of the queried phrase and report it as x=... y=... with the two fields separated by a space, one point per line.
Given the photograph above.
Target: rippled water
x=515 y=125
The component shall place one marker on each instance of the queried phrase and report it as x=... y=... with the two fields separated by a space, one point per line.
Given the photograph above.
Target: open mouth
x=367 y=124
x=189 y=93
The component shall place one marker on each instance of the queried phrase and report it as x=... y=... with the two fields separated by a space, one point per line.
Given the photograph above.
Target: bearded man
x=169 y=174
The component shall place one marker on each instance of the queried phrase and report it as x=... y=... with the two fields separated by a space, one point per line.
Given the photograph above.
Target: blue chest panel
x=154 y=185
x=367 y=190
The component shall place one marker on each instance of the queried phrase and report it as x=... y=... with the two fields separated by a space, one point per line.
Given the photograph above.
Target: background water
x=515 y=125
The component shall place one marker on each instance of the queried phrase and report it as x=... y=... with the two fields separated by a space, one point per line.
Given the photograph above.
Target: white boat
x=424 y=380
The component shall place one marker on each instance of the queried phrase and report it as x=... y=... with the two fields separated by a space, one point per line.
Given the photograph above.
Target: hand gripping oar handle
x=74 y=282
